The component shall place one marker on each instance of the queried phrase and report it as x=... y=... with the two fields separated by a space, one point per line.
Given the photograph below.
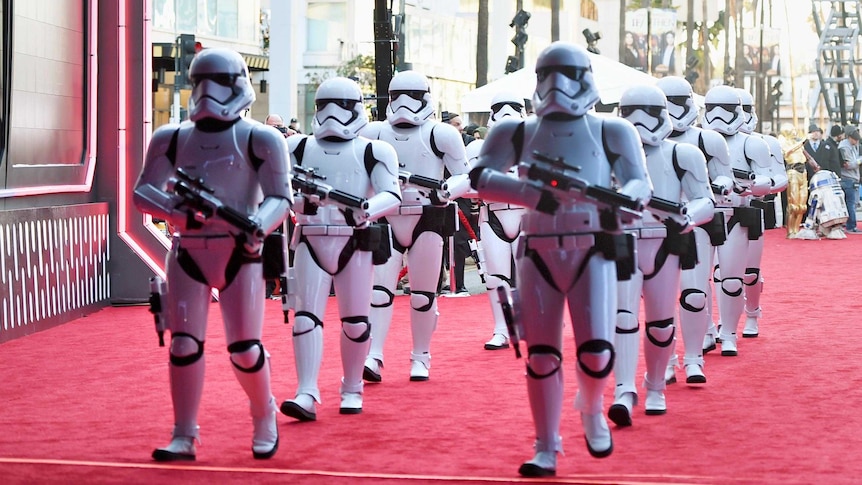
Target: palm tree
x=482 y=44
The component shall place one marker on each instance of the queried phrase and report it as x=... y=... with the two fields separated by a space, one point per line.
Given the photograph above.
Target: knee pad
x=305 y=322
x=627 y=322
x=422 y=300
x=692 y=300
x=751 y=277
x=543 y=361
x=596 y=358
x=716 y=274
x=185 y=349
x=732 y=286
x=247 y=355
x=381 y=297
x=356 y=329
x=660 y=332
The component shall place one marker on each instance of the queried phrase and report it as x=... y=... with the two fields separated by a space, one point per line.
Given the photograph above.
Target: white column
x=286 y=45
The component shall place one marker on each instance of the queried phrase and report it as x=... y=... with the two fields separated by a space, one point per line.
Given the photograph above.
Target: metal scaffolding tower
x=837 y=60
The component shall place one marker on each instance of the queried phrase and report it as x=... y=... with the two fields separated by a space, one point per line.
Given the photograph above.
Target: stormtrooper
x=425 y=217
x=343 y=184
x=499 y=225
x=681 y=200
x=571 y=238
x=753 y=279
x=695 y=300
x=223 y=182
x=751 y=165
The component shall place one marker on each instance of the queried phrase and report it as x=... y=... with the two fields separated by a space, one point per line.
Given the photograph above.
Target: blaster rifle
x=555 y=174
x=743 y=174
x=199 y=197
x=668 y=206
x=157 y=292
x=718 y=189
x=308 y=183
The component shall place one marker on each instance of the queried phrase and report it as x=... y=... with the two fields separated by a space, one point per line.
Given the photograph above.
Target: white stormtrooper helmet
x=339 y=111
x=680 y=102
x=749 y=116
x=723 y=110
x=505 y=104
x=409 y=99
x=564 y=81
x=646 y=108
x=221 y=88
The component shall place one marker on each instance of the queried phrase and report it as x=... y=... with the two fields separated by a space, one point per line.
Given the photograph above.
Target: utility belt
x=327 y=230
x=441 y=219
x=218 y=241
x=657 y=232
x=767 y=205
x=750 y=218
x=619 y=248
x=501 y=206
x=374 y=238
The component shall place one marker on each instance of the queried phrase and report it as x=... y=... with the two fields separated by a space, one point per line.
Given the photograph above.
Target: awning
x=164 y=58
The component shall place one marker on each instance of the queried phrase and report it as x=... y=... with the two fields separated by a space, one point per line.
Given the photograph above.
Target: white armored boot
x=627 y=346
x=544 y=462
x=182 y=445
x=589 y=400
x=750 y=330
x=251 y=366
x=308 y=352
x=264 y=442
x=380 y=318
x=355 y=341
x=186 y=388
x=545 y=392
x=500 y=339
x=422 y=326
x=694 y=370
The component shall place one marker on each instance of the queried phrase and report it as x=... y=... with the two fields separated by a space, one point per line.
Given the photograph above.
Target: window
x=326 y=24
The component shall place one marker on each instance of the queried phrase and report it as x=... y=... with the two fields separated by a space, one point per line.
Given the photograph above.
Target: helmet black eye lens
x=654 y=111
x=725 y=106
x=572 y=72
x=417 y=95
x=222 y=79
x=496 y=107
x=678 y=100
x=348 y=104
x=746 y=108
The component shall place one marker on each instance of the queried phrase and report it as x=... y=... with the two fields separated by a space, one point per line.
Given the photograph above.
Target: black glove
x=547 y=203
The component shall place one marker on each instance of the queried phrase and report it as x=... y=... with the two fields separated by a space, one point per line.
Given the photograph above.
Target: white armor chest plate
x=665 y=181
x=736 y=146
x=415 y=155
x=343 y=165
x=222 y=161
x=413 y=146
x=579 y=143
x=666 y=184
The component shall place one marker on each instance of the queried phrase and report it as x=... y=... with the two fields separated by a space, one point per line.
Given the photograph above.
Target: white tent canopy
x=612 y=79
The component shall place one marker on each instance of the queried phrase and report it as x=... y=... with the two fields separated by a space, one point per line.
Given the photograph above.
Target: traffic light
x=592 y=38
x=512 y=64
x=519 y=22
x=187 y=47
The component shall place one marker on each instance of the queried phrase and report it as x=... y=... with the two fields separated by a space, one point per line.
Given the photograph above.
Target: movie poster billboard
x=763 y=53
x=650 y=41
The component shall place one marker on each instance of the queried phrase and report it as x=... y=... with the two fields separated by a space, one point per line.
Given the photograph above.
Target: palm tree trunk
x=482 y=44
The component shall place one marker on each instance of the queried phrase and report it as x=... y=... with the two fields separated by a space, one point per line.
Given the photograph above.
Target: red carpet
x=87 y=402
